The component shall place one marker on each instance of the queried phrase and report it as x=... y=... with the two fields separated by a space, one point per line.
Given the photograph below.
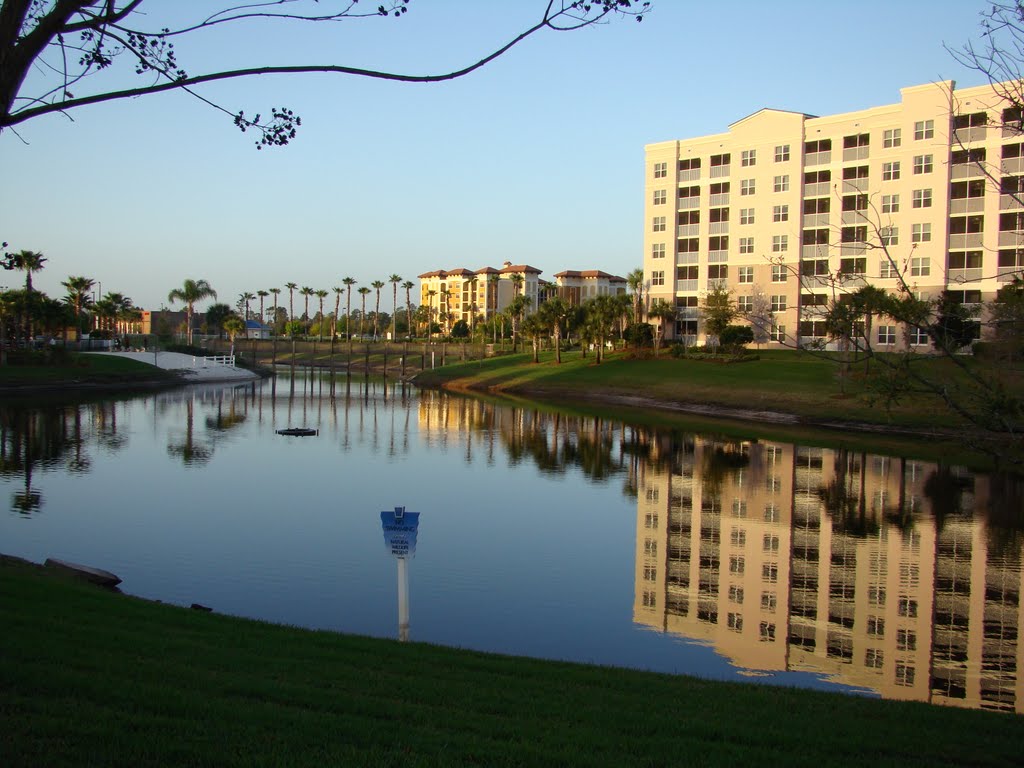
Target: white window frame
x=923 y=164
x=659 y=224
x=780 y=243
x=746 y=274
x=747 y=187
x=746 y=216
x=922 y=198
x=920 y=266
x=890 y=203
x=886 y=335
x=778 y=302
x=781 y=183
x=782 y=153
x=892 y=138
x=924 y=129
x=891 y=171
x=748 y=157
x=779 y=273
x=745 y=303
x=746 y=245
x=658 y=277
x=780 y=213
x=657 y=250
x=660 y=170
x=921 y=233
x=660 y=196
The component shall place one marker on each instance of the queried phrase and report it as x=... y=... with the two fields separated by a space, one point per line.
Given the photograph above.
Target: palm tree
x=337 y=307
x=79 y=289
x=870 y=300
x=275 y=291
x=554 y=313
x=515 y=310
x=191 y=292
x=348 y=282
x=306 y=291
x=635 y=281
x=28 y=262
x=262 y=294
x=533 y=328
x=291 y=300
x=663 y=312
x=472 y=305
x=243 y=303
x=377 y=284
x=517 y=281
x=430 y=314
x=321 y=294
x=492 y=281
x=234 y=326
x=394 y=280
x=408 y=285
x=364 y=292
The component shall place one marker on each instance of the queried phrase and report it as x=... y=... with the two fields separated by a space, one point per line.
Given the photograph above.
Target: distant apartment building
x=459 y=294
x=785 y=207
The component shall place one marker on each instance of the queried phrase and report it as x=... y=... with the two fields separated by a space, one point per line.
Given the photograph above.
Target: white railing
x=203 y=362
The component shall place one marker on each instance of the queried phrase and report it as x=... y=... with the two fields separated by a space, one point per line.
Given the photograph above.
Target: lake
x=538 y=533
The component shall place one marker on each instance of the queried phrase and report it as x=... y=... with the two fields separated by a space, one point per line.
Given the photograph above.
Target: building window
x=769 y=601
x=650 y=600
x=650 y=573
x=689 y=164
x=920 y=266
x=718 y=243
x=821 y=145
x=781 y=183
x=687 y=192
x=745 y=303
x=718 y=271
x=873 y=658
x=660 y=170
x=688 y=245
x=747 y=187
x=651 y=521
x=887 y=334
x=965 y=156
x=718 y=215
x=856 y=265
x=855 y=172
x=746 y=274
x=780 y=213
x=746 y=215
x=890 y=203
x=746 y=245
x=975 y=120
x=735 y=622
x=770 y=573
x=907 y=607
x=890 y=171
x=661 y=196
x=779 y=303
x=960 y=225
x=735 y=594
x=658 y=251
x=924 y=129
x=922 y=198
x=886 y=268
x=817 y=205
x=748 y=157
x=780 y=243
x=767 y=632
x=687 y=217
x=904 y=673
x=737 y=564
x=962 y=190
x=782 y=153
x=777 y=334
x=738 y=537
x=719 y=188
x=658 y=277
x=921 y=233
x=779 y=272
x=658 y=224
x=892 y=138
x=889 y=235
x=919 y=338
x=853 y=234
x=717 y=160
x=906 y=640
x=922 y=164
x=859 y=140
x=876 y=626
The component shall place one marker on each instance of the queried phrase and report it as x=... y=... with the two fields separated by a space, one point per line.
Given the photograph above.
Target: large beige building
x=784 y=208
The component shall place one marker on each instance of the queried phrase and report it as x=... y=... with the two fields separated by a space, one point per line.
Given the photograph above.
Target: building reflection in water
x=896 y=576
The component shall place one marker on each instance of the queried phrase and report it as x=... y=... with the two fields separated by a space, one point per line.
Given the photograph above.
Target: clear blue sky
x=537 y=158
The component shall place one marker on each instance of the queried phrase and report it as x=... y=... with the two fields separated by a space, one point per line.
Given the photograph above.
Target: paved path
x=194 y=368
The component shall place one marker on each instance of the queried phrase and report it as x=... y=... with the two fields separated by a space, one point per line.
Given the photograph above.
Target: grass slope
x=82 y=368
x=92 y=678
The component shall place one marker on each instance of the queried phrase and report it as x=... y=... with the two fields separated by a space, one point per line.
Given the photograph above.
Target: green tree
x=292 y=287
x=409 y=285
x=534 y=328
x=191 y=292
x=235 y=327
x=275 y=292
x=321 y=294
x=601 y=314
x=364 y=292
x=263 y=295
x=635 y=282
x=394 y=280
x=28 y=262
x=515 y=310
x=216 y=314
x=243 y=303
x=79 y=296
x=555 y=314
x=306 y=292
x=718 y=310
x=664 y=313
x=377 y=285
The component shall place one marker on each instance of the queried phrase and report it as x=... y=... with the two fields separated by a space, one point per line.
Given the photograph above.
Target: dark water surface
x=539 y=534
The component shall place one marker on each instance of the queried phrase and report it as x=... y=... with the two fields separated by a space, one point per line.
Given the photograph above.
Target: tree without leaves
x=71 y=45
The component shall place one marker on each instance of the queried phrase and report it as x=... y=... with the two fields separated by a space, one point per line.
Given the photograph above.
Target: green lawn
x=92 y=678
x=789 y=382
x=82 y=368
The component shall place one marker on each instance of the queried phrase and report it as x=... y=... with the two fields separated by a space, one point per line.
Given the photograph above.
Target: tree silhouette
x=78 y=51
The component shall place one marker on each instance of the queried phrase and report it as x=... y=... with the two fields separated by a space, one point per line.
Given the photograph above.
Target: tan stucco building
x=779 y=205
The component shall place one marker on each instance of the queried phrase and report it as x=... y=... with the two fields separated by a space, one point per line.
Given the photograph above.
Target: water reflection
x=896 y=576
x=880 y=573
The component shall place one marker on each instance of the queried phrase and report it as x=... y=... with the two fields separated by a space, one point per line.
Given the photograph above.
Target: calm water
x=539 y=534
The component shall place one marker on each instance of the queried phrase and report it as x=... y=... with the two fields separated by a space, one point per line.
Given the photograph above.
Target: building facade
x=785 y=210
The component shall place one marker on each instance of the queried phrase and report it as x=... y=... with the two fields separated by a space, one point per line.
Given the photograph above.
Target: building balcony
x=815 y=220
x=970 y=205
x=688 y=203
x=718 y=228
x=722 y=198
x=1006 y=203
x=718 y=171
x=968 y=135
x=817 y=158
x=818 y=189
x=693 y=174
x=854 y=185
x=686 y=285
x=959 y=276
x=717 y=257
x=971 y=240
x=966 y=171
x=688 y=230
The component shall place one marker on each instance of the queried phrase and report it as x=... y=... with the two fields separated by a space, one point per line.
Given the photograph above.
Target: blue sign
x=400 y=531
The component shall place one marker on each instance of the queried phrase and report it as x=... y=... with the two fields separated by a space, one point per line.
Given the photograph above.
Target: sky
x=537 y=158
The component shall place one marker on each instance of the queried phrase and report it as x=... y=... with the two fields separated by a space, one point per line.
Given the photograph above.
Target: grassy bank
x=786 y=382
x=80 y=370
x=93 y=678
